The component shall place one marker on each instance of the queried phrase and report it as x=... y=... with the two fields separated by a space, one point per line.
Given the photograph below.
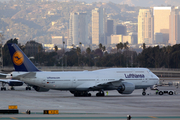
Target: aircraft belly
x=142 y=86
x=28 y=80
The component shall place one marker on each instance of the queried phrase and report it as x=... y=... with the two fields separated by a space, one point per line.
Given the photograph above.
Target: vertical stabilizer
x=20 y=61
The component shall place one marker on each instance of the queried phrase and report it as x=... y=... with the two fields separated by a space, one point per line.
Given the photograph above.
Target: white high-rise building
x=78 y=29
x=98 y=26
x=145 y=26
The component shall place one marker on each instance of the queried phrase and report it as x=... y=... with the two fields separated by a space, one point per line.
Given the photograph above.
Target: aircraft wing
x=93 y=86
x=11 y=82
x=114 y=83
x=8 y=80
x=3 y=74
x=3 y=81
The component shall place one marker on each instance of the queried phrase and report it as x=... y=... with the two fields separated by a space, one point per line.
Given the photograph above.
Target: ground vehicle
x=161 y=92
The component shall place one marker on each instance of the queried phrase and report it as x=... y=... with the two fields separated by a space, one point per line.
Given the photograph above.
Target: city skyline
x=100 y=25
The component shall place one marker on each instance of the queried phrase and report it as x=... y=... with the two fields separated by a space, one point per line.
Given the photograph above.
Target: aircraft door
x=44 y=81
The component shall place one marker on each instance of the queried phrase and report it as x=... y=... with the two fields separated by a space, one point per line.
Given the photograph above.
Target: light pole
x=1 y=45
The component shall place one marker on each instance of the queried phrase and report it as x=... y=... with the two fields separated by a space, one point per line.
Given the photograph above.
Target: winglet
x=20 y=61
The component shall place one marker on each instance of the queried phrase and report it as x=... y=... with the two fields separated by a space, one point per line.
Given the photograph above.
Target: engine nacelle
x=40 y=89
x=126 y=88
x=15 y=83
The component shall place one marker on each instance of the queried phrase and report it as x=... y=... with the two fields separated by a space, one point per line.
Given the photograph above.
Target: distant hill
x=143 y=3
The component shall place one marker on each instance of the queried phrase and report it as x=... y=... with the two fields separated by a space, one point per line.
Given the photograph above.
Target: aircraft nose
x=157 y=81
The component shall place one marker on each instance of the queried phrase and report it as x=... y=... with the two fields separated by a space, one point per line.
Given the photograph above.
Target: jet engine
x=40 y=89
x=15 y=83
x=126 y=88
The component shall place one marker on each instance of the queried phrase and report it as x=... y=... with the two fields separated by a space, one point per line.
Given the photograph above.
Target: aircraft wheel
x=28 y=88
x=97 y=94
x=12 y=88
x=89 y=94
x=76 y=94
x=100 y=94
x=170 y=93
x=160 y=93
x=143 y=93
x=3 y=88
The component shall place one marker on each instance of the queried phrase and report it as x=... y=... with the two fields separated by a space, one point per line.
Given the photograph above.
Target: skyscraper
x=78 y=29
x=145 y=26
x=121 y=30
x=109 y=27
x=174 y=26
x=98 y=26
x=161 y=22
x=109 y=31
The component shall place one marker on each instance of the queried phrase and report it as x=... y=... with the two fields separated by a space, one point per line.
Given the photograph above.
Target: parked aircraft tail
x=20 y=61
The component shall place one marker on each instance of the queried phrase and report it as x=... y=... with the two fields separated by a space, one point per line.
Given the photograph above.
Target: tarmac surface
x=111 y=106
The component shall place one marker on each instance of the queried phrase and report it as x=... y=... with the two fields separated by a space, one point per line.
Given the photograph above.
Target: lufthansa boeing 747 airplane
x=80 y=83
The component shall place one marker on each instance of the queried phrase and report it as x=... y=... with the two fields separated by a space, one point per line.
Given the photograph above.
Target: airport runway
x=112 y=106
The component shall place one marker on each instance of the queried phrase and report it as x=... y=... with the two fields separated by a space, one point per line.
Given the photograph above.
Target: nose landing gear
x=144 y=92
x=3 y=87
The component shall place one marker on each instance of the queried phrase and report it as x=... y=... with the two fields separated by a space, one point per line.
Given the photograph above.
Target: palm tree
x=39 y=50
x=88 y=51
x=56 y=48
x=126 y=48
x=78 y=51
x=73 y=45
x=126 y=45
x=80 y=44
x=121 y=45
x=63 y=46
x=144 y=46
x=100 y=46
x=104 y=48
x=117 y=46
x=168 y=49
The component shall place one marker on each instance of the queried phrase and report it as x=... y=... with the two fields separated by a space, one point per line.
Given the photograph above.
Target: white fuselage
x=86 y=80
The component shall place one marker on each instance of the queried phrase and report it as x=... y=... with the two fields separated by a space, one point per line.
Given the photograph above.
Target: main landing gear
x=3 y=88
x=81 y=93
x=12 y=88
x=86 y=94
x=100 y=93
x=144 y=92
x=28 y=88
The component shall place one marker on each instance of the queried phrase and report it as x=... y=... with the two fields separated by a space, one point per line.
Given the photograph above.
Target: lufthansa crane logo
x=18 y=58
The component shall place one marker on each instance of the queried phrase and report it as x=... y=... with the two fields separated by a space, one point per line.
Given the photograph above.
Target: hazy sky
x=143 y=3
